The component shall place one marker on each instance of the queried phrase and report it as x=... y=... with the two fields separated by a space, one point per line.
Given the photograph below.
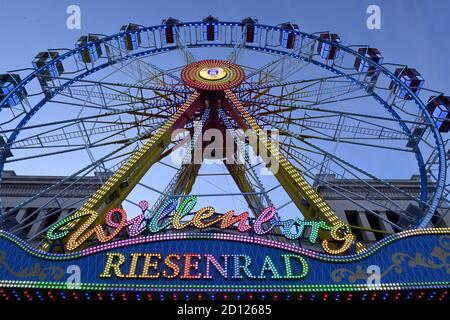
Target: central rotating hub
x=212 y=75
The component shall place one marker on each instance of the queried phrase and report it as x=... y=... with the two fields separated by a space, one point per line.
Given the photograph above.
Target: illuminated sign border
x=265 y=221
x=289 y=248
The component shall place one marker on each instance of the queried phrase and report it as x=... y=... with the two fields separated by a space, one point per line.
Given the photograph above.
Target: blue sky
x=412 y=32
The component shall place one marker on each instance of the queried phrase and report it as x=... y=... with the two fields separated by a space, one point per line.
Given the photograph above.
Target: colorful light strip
x=227 y=288
x=312 y=196
x=18 y=294
x=162 y=220
x=432 y=294
x=222 y=236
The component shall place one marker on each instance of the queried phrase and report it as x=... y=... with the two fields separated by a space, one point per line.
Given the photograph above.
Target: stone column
x=363 y=222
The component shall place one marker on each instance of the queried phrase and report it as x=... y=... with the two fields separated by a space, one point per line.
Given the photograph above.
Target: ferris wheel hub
x=212 y=75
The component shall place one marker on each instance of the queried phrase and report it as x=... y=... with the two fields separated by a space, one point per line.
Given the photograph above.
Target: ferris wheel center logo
x=213 y=73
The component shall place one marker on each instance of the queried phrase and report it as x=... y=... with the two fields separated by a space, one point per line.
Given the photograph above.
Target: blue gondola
x=92 y=52
x=289 y=39
x=372 y=54
x=250 y=32
x=439 y=108
x=210 y=28
x=411 y=78
x=7 y=84
x=170 y=32
x=54 y=69
x=328 y=50
x=132 y=40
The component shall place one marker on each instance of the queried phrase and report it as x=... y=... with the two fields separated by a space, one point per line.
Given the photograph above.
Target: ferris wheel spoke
x=315 y=93
x=349 y=184
x=282 y=67
x=335 y=125
x=102 y=105
x=102 y=95
x=66 y=150
x=276 y=71
x=262 y=74
x=264 y=108
x=160 y=75
x=234 y=54
x=98 y=164
x=137 y=165
x=100 y=84
x=139 y=70
x=84 y=128
x=140 y=94
x=244 y=174
x=285 y=173
x=295 y=85
x=182 y=46
x=354 y=142
x=41 y=142
x=61 y=201
x=15 y=117
x=356 y=196
x=336 y=130
x=345 y=164
x=62 y=124
x=73 y=101
x=105 y=102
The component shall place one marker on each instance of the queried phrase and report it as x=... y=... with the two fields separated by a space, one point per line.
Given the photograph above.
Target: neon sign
x=225 y=262
x=171 y=215
x=191 y=266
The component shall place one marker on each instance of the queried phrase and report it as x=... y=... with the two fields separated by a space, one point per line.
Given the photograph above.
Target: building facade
x=52 y=200
x=373 y=217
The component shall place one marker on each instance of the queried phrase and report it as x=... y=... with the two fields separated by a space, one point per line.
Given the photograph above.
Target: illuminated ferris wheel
x=303 y=112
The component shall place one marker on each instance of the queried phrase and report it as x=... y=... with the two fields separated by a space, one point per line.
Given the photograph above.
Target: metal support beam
x=117 y=187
